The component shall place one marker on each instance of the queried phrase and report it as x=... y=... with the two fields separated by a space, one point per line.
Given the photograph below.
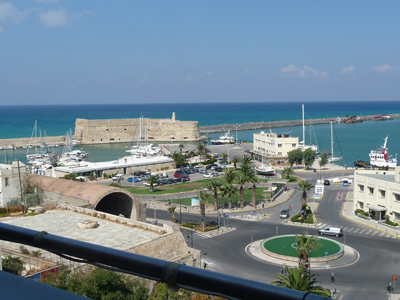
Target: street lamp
x=180 y=208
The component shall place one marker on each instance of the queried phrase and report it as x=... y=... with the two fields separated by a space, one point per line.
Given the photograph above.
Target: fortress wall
x=123 y=130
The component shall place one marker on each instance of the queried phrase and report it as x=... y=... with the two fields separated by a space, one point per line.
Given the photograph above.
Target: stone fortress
x=125 y=130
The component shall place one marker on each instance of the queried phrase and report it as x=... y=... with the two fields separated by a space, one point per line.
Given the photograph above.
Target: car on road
x=207 y=175
x=203 y=171
x=332 y=230
x=132 y=179
x=146 y=183
x=214 y=174
x=284 y=214
x=327 y=182
x=118 y=177
x=345 y=183
x=198 y=166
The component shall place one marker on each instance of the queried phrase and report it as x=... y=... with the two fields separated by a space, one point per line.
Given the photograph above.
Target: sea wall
x=22 y=142
x=126 y=130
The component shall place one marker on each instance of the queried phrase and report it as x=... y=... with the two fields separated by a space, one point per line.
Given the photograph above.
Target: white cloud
x=55 y=18
x=382 y=69
x=144 y=79
x=348 y=70
x=246 y=70
x=61 y=17
x=9 y=12
x=305 y=72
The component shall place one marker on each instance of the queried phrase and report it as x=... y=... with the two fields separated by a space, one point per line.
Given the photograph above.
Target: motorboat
x=265 y=170
x=224 y=139
x=380 y=157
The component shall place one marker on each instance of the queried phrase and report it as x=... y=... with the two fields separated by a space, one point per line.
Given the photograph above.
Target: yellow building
x=272 y=144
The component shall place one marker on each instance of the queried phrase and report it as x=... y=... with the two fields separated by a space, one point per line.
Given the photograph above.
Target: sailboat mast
x=331 y=140
x=304 y=134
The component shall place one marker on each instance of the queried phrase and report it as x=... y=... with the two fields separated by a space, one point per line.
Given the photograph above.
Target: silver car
x=284 y=214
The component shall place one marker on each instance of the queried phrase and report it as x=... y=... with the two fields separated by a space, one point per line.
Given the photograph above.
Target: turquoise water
x=355 y=140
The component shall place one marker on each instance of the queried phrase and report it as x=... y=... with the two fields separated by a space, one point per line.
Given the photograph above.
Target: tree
x=205 y=149
x=171 y=210
x=152 y=180
x=235 y=161
x=214 y=187
x=288 y=171
x=295 y=157
x=294 y=280
x=254 y=180
x=246 y=159
x=305 y=244
x=200 y=148
x=204 y=198
x=246 y=172
x=304 y=186
x=309 y=157
x=13 y=265
x=224 y=156
x=241 y=180
x=181 y=146
x=324 y=159
x=229 y=190
x=230 y=176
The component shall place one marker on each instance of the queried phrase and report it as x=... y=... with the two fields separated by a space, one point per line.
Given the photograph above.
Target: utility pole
x=23 y=204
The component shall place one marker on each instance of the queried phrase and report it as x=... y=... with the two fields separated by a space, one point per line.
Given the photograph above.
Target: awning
x=376 y=208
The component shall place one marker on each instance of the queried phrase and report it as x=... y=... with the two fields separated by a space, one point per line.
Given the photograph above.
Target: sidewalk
x=348 y=212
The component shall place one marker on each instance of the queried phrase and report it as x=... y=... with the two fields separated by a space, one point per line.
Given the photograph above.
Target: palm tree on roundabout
x=305 y=244
x=215 y=187
x=229 y=189
x=295 y=280
x=288 y=171
x=152 y=180
x=254 y=180
x=204 y=198
x=304 y=186
x=235 y=161
x=171 y=210
x=241 y=180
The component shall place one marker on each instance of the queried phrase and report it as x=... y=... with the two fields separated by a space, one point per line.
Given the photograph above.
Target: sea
x=352 y=141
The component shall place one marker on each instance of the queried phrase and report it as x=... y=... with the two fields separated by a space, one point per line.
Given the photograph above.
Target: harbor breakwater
x=277 y=124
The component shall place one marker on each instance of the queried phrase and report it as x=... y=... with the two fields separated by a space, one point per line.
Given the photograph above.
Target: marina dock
x=276 y=124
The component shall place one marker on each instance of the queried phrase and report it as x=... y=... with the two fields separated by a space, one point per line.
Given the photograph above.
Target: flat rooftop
x=380 y=176
x=65 y=223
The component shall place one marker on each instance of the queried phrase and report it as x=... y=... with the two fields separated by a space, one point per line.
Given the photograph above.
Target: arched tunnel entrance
x=116 y=204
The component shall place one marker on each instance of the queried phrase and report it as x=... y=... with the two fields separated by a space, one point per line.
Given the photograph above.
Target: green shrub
x=24 y=250
x=297 y=218
x=13 y=265
x=361 y=212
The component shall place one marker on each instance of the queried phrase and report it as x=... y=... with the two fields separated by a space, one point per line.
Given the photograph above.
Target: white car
x=208 y=175
x=118 y=176
x=199 y=166
x=146 y=183
x=214 y=174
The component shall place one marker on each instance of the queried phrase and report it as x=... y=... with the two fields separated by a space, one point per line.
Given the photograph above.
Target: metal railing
x=173 y=274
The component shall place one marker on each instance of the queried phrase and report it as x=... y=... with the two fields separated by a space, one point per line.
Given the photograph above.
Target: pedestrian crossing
x=366 y=231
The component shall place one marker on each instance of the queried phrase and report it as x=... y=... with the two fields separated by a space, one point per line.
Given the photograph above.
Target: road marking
x=362 y=231
x=382 y=233
x=322 y=225
x=388 y=235
x=356 y=230
x=368 y=232
x=375 y=232
x=345 y=228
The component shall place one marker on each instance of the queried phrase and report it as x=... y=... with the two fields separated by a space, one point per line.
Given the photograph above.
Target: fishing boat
x=265 y=170
x=224 y=139
x=380 y=157
x=333 y=158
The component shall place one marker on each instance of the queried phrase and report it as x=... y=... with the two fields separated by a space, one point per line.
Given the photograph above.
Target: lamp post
x=180 y=208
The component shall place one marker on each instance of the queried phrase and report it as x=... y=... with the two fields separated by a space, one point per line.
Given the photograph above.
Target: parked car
x=284 y=214
x=180 y=175
x=345 y=183
x=208 y=167
x=164 y=181
x=199 y=166
x=218 y=169
x=207 y=175
x=214 y=174
x=118 y=176
x=181 y=179
x=146 y=183
x=196 y=170
x=327 y=182
x=170 y=180
x=190 y=167
x=132 y=179
x=81 y=178
x=332 y=230
x=186 y=178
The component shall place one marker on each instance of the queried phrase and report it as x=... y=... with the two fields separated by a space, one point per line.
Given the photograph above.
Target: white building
x=272 y=144
x=378 y=192
x=9 y=181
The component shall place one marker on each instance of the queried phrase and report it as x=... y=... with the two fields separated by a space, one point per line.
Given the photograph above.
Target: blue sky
x=128 y=51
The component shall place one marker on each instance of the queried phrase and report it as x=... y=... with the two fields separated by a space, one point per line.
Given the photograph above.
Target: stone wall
x=125 y=130
x=20 y=142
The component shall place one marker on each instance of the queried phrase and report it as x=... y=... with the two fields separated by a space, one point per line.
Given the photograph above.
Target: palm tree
x=288 y=171
x=304 y=186
x=200 y=148
x=181 y=146
x=152 y=180
x=254 y=180
x=230 y=176
x=305 y=245
x=229 y=190
x=205 y=149
x=294 y=280
x=224 y=156
x=241 y=180
x=247 y=172
x=247 y=159
x=204 y=197
x=171 y=210
x=235 y=161
x=214 y=187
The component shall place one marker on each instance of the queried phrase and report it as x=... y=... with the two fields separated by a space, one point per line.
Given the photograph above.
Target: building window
x=396 y=216
x=280 y=153
x=107 y=129
x=396 y=197
x=371 y=190
x=293 y=145
x=6 y=181
x=360 y=188
x=361 y=205
x=382 y=193
x=279 y=145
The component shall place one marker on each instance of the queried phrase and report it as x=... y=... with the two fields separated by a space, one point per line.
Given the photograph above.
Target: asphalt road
x=366 y=279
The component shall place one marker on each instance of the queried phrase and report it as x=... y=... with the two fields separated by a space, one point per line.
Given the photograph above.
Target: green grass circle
x=286 y=245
